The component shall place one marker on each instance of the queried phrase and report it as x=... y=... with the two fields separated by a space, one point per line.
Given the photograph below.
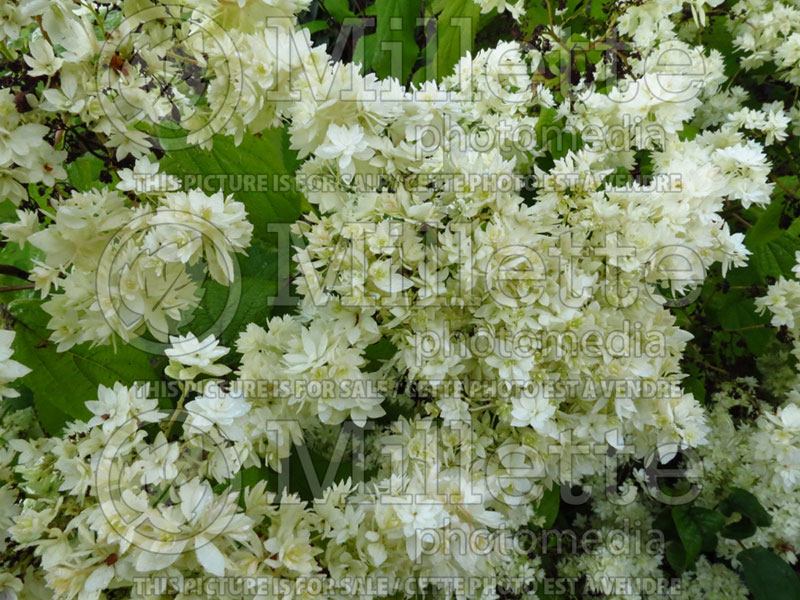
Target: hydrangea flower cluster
x=783 y=301
x=524 y=288
x=125 y=269
x=381 y=278
x=759 y=454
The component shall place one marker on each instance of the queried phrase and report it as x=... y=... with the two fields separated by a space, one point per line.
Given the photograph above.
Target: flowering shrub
x=455 y=299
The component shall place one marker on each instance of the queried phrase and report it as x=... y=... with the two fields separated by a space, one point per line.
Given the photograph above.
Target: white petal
x=209 y=556
x=99 y=579
x=154 y=561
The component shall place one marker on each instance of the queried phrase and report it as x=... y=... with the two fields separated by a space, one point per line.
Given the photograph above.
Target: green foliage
x=339 y=9
x=62 y=382
x=392 y=50
x=258 y=172
x=690 y=531
x=693 y=530
x=728 y=331
x=548 y=506
x=752 y=514
x=457 y=24
x=536 y=14
x=691 y=539
x=315 y=26
x=306 y=468
x=257 y=284
x=84 y=173
x=767 y=576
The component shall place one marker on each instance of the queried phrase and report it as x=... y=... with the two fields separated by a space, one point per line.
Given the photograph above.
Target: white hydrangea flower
x=190 y=357
x=10 y=370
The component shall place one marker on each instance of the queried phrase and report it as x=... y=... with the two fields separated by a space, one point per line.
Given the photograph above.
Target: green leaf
x=689 y=533
x=8 y=211
x=739 y=530
x=766 y=228
x=62 y=382
x=308 y=468
x=549 y=504
x=695 y=383
x=665 y=524
x=378 y=353
x=258 y=172
x=40 y=197
x=258 y=277
x=314 y=26
x=254 y=475
x=339 y=9
x=22 y=258
x=676 y=556
x=767 y=576
x=776 y=256
x=547 y=118
x=596 y=10
x=709 y=522
x=392 y=50
x=718 y=35
x=456 y=29
x=745 y=504
x=753 y=515
x=537 y=14
x=572 y=5
x=735 y=311
x=689 y=132
x=84 y=173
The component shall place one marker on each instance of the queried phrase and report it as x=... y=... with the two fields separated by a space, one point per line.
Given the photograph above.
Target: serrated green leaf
x=776 y=256
x=62 y=382
x=392 y=49
x=259 y=173
x=456 y=28
x=258 y=278
x=84 y=173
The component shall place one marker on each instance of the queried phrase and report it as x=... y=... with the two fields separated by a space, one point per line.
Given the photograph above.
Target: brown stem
x=13 y=271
